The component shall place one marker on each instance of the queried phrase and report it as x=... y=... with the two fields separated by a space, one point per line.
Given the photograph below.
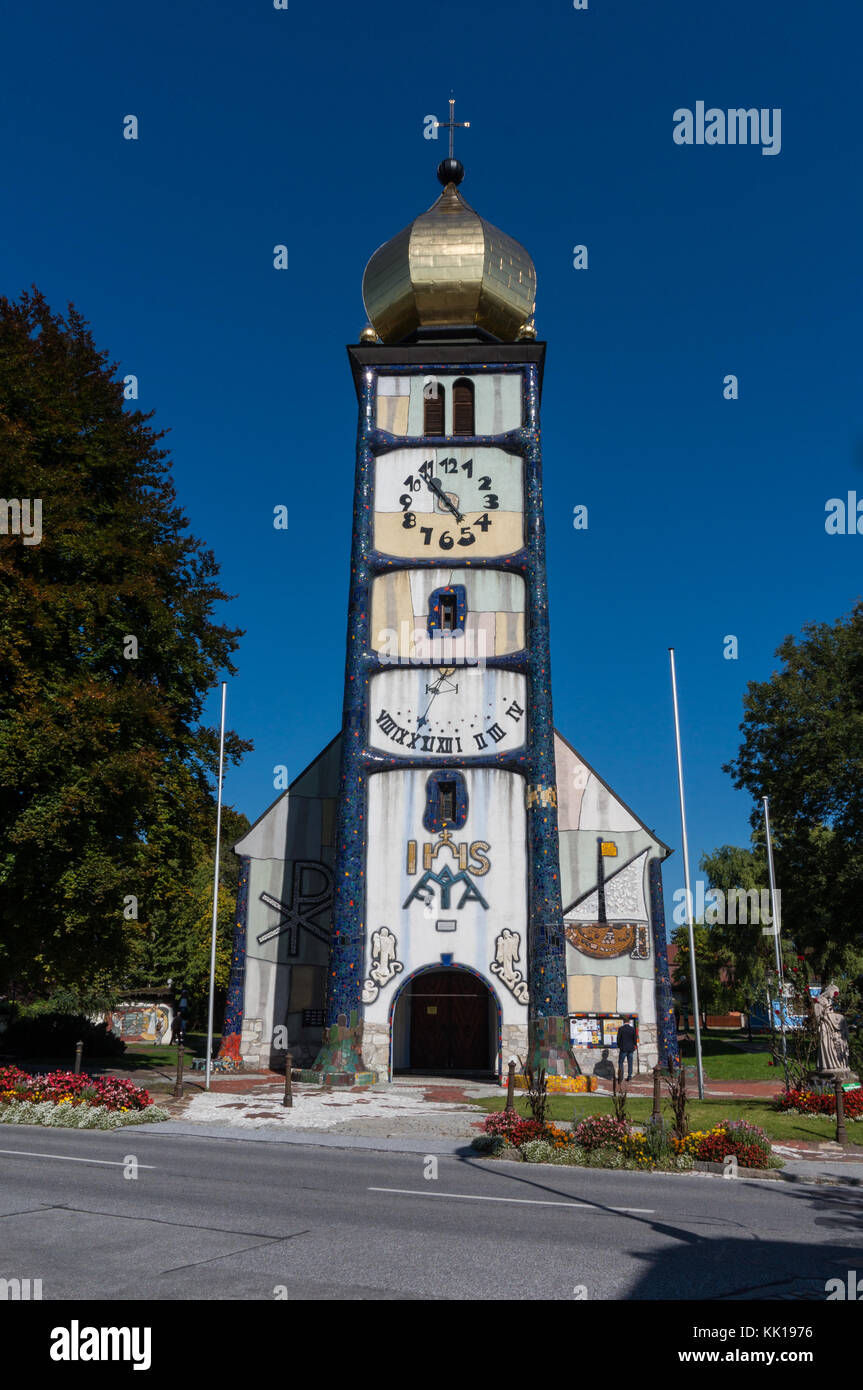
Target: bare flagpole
x=215 y=896
x=774 y=906
x=692 y=972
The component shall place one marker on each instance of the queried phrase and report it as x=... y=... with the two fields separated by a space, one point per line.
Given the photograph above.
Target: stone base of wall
x=376 y=1047
x=513 y=1043
x=254 y=1052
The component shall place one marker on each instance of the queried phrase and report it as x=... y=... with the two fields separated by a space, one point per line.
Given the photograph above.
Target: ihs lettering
x=462 y=852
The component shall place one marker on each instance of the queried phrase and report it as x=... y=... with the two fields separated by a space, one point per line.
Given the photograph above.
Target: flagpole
x=692 y=972
x=215 y=896
x=774 y=906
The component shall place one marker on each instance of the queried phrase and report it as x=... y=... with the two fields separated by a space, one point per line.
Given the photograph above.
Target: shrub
x=604 y=1157
x=742 y=1132
x=600 y=1131
x=489 y=1144
x=56 y=1034
x=657 y=1141
x=500 y=1122
x=537 y=1090
x=513 y=1128
x=537 y=1151
x=573 y=1155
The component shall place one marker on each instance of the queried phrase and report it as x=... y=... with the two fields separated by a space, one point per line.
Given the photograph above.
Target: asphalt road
x=228 y=1219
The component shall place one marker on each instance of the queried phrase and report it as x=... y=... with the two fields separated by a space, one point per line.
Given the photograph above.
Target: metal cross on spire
x=451 y=125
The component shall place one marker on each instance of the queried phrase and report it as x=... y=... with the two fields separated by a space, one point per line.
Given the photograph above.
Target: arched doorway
x=446 y=1020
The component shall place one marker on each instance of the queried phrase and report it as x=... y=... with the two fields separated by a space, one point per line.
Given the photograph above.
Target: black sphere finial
x=450 y=171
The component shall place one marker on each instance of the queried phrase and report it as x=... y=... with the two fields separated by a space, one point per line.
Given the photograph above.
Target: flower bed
x=599 y=1141
x=747 y=1143
x=67 y=1088
x=65 y=1116
x=821 y=1102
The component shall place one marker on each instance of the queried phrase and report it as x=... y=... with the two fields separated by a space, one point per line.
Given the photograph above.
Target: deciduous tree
x=108 y=647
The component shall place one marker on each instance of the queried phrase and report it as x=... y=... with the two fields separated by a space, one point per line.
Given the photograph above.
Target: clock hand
x=435 y=487
x=435 y=690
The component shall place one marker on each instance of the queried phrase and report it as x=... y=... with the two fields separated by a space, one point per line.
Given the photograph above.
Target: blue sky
x=305 y=127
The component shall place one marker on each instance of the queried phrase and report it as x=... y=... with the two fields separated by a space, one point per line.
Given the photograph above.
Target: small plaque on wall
x=313 y=1018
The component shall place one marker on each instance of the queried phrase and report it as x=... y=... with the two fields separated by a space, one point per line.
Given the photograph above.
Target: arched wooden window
x=462 y=407
x=434 y=398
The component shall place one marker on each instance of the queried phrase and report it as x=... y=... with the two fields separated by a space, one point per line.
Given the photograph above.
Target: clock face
x=434 y=503
x=447 y=712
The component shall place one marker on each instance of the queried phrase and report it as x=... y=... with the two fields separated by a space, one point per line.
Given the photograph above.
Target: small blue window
x=446 y=802
x=448 y=609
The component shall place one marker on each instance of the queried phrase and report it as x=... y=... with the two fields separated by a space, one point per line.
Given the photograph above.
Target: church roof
x=450 y=268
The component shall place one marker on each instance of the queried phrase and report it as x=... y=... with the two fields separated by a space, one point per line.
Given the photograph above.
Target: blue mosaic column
x=346 y=953
x=669 y=1052
x=232 y=1028
x=549 y=1032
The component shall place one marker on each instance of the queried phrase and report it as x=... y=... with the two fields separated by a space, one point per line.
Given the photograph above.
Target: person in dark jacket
x=626 y=1044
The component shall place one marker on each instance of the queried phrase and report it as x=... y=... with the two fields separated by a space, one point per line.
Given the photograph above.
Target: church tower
x=448 y=945
x=449 y=883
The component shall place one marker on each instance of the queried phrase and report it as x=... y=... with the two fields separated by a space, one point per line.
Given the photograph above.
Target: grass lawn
x=729 y=1057
x=702 y=1114
x=148 y=1055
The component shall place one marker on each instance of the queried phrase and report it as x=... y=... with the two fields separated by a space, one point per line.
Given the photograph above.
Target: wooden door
x=449 y=1022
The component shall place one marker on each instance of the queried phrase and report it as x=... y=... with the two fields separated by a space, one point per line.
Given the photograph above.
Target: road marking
x=65 y=1158
x=521 y=1201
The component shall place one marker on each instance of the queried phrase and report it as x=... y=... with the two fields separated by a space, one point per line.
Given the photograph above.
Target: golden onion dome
x=450 y=268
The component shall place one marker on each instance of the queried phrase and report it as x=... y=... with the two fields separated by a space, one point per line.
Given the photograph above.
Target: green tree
x=107 y=651
x=173 y=943
x=803 y=748
x=748 y=953
x=710 y=966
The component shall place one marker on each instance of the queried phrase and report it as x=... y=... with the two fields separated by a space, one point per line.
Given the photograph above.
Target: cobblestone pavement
x=404 y=1108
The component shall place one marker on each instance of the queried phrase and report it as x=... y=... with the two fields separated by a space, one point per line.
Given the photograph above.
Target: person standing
x=626 y=1045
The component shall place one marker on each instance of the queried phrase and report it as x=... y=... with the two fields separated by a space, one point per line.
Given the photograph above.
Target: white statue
x=833 y=1049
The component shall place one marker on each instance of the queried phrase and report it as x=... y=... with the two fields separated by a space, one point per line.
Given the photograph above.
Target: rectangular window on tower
x=446 y=792
x=448 y=613
x=433 y=408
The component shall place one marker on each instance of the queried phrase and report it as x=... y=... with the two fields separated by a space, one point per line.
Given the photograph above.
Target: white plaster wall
x=496 y=816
